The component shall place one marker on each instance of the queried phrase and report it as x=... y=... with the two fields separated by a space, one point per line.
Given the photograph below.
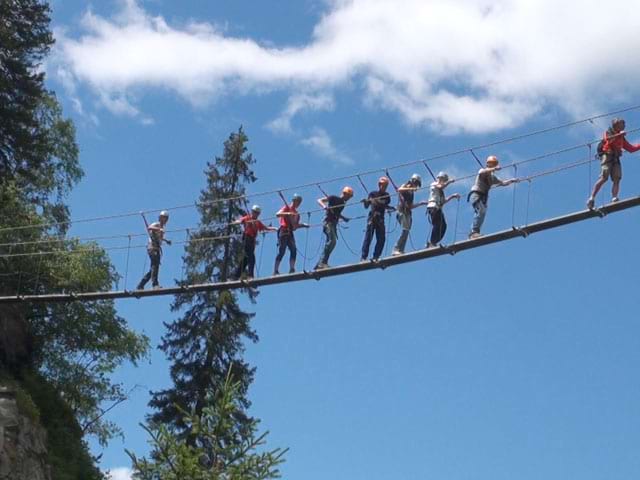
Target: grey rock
x=23 y=451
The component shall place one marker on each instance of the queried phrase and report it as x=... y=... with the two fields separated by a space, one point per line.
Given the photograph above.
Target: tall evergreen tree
x=206 y=342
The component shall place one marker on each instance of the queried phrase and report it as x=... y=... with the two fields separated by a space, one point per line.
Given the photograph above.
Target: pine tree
x=174 y=458
x=206 y=342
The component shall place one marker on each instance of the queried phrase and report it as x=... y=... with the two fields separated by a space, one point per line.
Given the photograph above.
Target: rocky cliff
x=23 y=450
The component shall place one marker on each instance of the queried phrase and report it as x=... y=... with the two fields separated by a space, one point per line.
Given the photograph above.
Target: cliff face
x=23 y=450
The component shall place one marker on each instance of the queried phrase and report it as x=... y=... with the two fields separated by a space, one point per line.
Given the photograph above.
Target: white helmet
x=256 y=208
x=164 y=214
x=415 y=178
x=443 y=176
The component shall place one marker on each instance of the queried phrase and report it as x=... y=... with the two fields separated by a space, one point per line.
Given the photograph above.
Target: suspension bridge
x=386 y=262
x=452 y=248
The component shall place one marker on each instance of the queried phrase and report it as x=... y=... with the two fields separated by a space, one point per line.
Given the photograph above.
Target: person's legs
x=405 y=222
x=147 y=276
x=242 y=264
x=605 y=171
x=368 y=236
x=282 y=248
x=439 y=225
x=616 y=176
x=380 y=238
x=331 y=235
x=155 y=267
x=480 y=211
x=249 y=255
x=293 y=252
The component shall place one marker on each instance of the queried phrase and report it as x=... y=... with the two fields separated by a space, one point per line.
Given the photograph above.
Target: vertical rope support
x=126 y=270
x=513 y=208
x=455 y=228
x=187 y=241
x=260 y=257
x=590 y=175
x=526 y=222
x=306 y=242
x=38 y=274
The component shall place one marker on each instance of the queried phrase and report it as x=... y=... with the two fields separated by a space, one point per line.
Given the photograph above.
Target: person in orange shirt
x=289 y=223
x=613 y=143
x=252 y=226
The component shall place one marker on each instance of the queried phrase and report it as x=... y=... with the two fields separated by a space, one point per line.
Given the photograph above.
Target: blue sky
x=514 y=360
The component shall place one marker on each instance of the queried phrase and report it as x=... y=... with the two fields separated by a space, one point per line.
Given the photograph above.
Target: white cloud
x=321 y=143
x=470 y=65
x=299 y=103
x=121 y=473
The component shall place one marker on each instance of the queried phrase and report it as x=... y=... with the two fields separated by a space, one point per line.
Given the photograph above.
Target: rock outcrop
x=23 y=451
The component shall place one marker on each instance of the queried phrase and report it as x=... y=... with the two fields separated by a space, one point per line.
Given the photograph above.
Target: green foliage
x=207 y=341
x=212 y=456
x=24 y=401
x=66 y=450
x=75 y=346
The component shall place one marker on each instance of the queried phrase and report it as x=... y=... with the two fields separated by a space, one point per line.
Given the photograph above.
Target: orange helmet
x=383 y=181
x=492 y=161
x=347 y=191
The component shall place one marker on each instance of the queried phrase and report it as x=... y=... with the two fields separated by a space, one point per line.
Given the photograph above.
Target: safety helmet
x=296 y=198
x=164 y=214
x=383 y=181
x=256 y=209
x=415 y=178
x=492 y=161
x=617 y=121
x=347 y=191
x=443 y=176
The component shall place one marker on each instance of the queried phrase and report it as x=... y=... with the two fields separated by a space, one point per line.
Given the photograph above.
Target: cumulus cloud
x=320 y=142
x=299 y=103
x=122 y=473
x=469 y=65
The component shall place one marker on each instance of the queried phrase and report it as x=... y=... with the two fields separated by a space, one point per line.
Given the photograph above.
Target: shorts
x=611 y=169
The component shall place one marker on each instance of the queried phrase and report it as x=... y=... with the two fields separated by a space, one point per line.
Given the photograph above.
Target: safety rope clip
x=600 y=213
x=523 y=233
x=450 y=249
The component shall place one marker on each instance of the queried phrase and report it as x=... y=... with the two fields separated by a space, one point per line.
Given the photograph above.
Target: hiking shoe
x=590 y=203
x=292 y=270
x=140 y=287
x=614 y=199
x=363 y=260
x=321 y=266
x=157 y=287
x=276 y=273
x=431 y=245
x=473 y=235
x=396 y=252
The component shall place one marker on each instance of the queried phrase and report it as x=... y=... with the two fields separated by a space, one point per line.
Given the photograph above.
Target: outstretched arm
x=629 y=147
x=451 y=197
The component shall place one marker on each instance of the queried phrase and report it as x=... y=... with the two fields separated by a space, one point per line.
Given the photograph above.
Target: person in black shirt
x=333 y=206
x=378 y=201
x=406 y=193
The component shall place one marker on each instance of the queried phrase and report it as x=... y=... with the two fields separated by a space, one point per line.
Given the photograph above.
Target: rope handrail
x=529 y=178
x=346 y=177
x=195 y=229
x=386 y=262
